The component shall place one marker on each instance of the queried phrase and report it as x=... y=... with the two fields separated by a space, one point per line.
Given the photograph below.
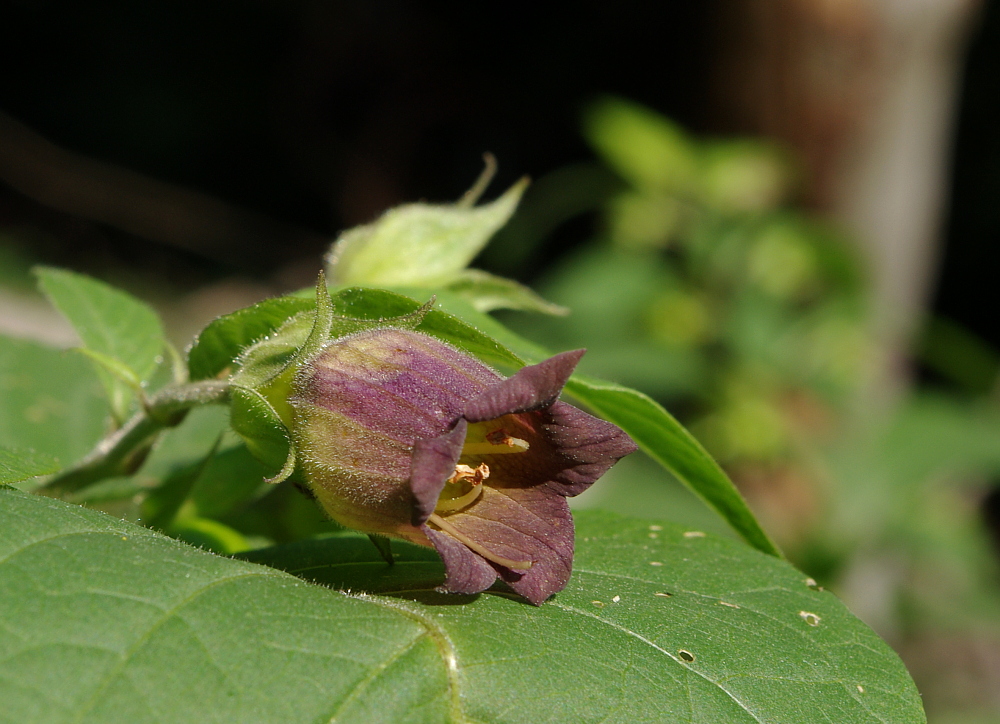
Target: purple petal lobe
x=589 y=445
x=432 y=463
x=531 y=524
x=531 y=388
x=465 y=572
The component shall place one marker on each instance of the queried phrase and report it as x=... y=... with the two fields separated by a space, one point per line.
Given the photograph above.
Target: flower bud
x=400 y=434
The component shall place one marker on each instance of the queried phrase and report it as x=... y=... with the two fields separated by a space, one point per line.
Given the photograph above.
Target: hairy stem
x=123 y=451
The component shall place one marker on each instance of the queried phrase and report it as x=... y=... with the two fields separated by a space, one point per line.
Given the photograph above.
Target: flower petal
x=531 y=388
x=528 y=524
x=589 y=444
x=432 y=462
x=465 y=572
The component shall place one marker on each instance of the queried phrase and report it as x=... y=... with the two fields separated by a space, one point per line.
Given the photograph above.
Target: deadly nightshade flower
x=400 y=434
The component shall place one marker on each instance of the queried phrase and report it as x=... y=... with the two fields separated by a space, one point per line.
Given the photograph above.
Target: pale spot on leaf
x=810 y=618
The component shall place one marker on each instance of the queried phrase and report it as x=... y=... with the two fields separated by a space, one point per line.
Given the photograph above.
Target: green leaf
x=112 y=366
x=644 y=147
x=225 y=338
x=210 y=535
x=419 y=244
x=111 y=323
x=265 y=359
x=17 y=464
x=665 y=440
x=162 y=505
x=50 y=401
x=255 y=420
x=116 y=623
x=487 y=292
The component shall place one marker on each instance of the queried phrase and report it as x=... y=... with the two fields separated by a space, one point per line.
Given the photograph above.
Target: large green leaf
x=50 y=401
x=110 y=322
x=104 y=621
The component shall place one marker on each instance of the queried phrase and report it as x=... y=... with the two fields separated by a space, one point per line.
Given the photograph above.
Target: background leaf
x=645 y=148
x=115 y=623
x=50 y=401
x=17 y=464
x=110 y=322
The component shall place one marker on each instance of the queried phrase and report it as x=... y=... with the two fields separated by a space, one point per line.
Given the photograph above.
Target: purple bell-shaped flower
x=400 y=434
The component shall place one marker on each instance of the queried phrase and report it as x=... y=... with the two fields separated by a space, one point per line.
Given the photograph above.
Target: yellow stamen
x=450 y=505
x=473 y=546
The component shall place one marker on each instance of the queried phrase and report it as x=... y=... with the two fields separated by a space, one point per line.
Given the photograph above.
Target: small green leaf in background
x=50 y=401
x=116 y=623
x=110 y=322
x=645 y=148
x=418 y=244
x=17 y=464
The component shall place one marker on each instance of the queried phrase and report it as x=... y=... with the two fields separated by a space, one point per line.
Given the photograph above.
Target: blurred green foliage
x=706 y=291
x=749 y=319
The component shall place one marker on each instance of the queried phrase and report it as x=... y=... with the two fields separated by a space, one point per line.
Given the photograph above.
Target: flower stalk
x=124 y=450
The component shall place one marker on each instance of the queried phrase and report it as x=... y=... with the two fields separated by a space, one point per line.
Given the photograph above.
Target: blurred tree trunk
x=864 y=91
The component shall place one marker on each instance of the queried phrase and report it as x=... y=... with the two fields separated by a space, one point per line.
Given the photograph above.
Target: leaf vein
x=142 y=640
x=646 y=641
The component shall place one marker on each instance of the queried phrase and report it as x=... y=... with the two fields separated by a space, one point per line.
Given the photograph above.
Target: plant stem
x=123 y=451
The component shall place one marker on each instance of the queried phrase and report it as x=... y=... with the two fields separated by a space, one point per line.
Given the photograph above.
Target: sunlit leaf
x=487 y=292
x=418 y=244
x=111 y=323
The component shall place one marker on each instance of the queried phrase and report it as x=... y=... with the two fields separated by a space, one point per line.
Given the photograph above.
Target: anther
x=498 y=442
x=468 y=474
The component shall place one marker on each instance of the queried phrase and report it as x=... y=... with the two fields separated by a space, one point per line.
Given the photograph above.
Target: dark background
x=322 y=114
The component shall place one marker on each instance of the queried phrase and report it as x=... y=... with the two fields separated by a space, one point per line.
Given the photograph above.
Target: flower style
x=400 y=434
